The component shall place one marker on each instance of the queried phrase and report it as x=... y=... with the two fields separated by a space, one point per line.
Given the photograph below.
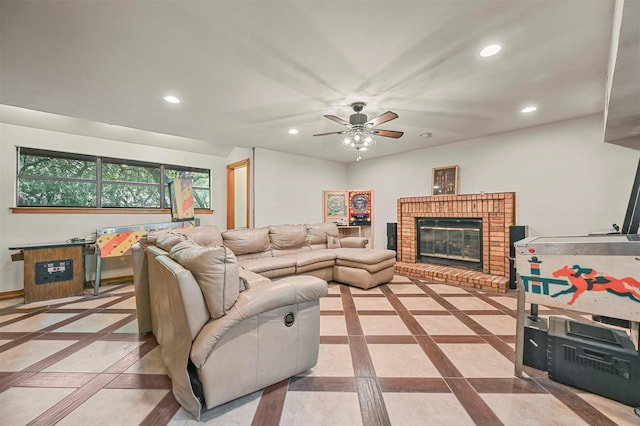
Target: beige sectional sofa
x=236 y=311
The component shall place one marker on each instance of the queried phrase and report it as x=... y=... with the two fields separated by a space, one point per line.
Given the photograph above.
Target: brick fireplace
x=497 y=211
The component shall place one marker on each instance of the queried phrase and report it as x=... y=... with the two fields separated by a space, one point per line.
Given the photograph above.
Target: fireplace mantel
x=497 y=211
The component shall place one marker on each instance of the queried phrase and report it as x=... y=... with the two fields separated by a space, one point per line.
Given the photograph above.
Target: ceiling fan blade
x=331 y=133
x=338 y=120
x=382 y=118
x=388 y=133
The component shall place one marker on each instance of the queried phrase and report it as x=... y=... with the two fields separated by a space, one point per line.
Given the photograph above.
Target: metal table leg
x=96 y=285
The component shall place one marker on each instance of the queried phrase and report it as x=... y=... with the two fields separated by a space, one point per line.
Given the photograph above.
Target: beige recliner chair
x=222 y=337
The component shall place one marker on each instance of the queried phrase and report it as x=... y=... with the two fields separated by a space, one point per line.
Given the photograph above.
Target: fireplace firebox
x=450 y=241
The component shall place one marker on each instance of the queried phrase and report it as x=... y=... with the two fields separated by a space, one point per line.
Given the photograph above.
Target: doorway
x=238 y=195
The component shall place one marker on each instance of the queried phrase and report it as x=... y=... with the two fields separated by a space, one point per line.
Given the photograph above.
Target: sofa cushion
x=208 y=235
x=168 y=239
x=245 y=241
x=216 y=271
x=285 y=237
x=317 y=232
x=317 y=256
x=263 y=265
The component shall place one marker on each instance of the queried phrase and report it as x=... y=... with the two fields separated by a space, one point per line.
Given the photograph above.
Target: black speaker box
x=516 y=233
x=601 y=360
x=536 y=340
x=392 y=236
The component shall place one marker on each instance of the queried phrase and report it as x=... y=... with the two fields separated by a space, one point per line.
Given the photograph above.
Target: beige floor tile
x=9 y=317
x=405 y=289
x=401 y=360
x=125 y=289
x=332 y=325
x=22 y=405
x=443 y=325
x=425 y=409
x=372 y=304
x=28 y=353
x=501 y=325
x=334 y=288
x=94 y=358
x=399 y=279
x=383 y=325
x=531 y=409
x=331 y=304
x=7 y=303
x=115 y=407
x=151 y=363
x=237 y=412
x=321 y=409
x=508 y=302
x=36 y=322
x=469 y=303
x=356 y=290
x=91 y=323
x=131 y=327
x=49 y=302
x=421 y=304
x=478 y=360
x=621 y=414
x=446 y=289
x=88 y=303
x=129 y=303
x=333 y=361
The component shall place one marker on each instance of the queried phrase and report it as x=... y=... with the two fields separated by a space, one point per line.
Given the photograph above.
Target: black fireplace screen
x=450 y=241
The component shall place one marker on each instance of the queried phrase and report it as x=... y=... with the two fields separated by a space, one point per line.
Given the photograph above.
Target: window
x=57 y=179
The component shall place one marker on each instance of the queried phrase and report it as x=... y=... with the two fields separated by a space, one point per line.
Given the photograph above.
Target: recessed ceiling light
x=171 y=99
x=426 y=135
x=528 y=109
x=490 y=50
x=293 y=131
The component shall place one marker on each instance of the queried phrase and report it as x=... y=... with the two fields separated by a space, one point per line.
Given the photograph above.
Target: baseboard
x=105 y=281
x=11 y=294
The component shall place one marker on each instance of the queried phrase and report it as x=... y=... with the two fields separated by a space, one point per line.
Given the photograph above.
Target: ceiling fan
x=358 y=123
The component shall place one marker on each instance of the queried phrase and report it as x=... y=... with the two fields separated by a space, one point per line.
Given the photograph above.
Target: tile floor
x=407 y=353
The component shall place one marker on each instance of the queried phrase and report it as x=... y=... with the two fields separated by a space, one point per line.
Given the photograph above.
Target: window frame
x=99 y=181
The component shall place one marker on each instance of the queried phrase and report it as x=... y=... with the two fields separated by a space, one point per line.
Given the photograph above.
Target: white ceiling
x=247 y=71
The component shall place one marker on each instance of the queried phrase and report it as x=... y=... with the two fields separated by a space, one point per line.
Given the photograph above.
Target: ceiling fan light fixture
x=361 y=133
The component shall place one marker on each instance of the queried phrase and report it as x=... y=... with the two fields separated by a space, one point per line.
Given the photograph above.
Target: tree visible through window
x=56 y=179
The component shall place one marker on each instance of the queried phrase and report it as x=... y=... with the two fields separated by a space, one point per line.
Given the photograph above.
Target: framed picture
x=334 y=207
x=360 y=208
x=445 y=180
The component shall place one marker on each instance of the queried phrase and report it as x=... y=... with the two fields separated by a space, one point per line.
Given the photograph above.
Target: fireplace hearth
x=450 y=241
x=489 y=260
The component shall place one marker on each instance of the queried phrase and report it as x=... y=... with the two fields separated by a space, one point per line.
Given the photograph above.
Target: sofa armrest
x=354 y=242
x=252 y=302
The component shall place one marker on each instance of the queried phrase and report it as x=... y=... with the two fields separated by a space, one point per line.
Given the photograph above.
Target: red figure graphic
x=587 y=279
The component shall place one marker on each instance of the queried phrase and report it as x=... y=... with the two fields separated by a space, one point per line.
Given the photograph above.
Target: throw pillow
x=333 y=241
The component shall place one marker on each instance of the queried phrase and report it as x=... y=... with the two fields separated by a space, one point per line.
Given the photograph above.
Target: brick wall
x=497 y=211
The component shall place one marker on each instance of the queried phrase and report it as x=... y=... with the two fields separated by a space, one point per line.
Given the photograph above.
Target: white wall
x=288 y=188
x=566 y=179
x=17 y=229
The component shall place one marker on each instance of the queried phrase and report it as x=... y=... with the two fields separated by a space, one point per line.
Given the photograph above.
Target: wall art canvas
x=335 y=208
x=445 y=181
